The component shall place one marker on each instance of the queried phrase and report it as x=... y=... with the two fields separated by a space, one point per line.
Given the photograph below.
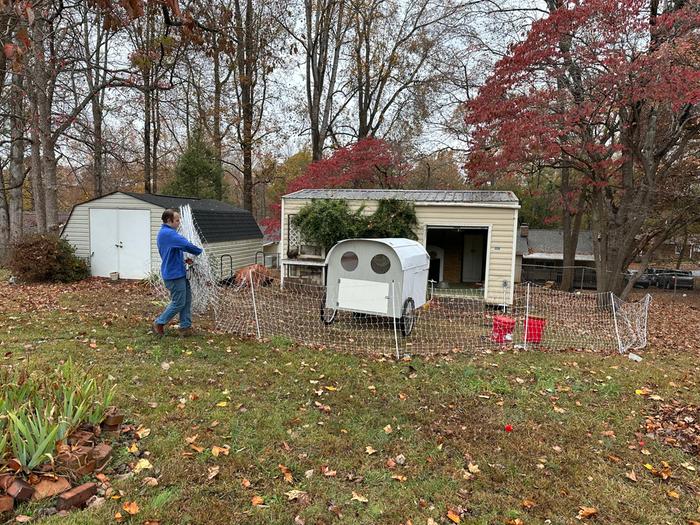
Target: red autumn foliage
x=369 y=163
x=523 y=115
x=608 y=89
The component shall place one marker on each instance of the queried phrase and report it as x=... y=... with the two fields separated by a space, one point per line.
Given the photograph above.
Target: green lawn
x=577 y=423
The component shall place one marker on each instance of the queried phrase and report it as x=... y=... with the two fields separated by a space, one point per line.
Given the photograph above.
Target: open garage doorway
x=457 y=256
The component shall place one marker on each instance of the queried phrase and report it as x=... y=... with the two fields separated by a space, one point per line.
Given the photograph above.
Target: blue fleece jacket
x=171 y=246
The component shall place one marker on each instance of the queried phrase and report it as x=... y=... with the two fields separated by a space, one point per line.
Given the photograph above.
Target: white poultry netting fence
x=452 y=320
x=538 y=318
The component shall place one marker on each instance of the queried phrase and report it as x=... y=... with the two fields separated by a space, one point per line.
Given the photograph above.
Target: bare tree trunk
x=147 y=136
x=572 y=216
x=98 y=168
x=35 y=171
x=17 y=172
x=216 y=131
x=246 y=62
x=679 y=261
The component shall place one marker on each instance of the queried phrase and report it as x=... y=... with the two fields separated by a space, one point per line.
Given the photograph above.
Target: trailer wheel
x=408 y=317
x=327 y=314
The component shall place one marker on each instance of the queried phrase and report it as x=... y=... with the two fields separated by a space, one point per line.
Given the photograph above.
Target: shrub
x=47 y=258
x=393 y=218
x=325 y=222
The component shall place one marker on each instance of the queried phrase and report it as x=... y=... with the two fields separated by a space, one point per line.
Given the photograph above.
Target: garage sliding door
x=120 y=241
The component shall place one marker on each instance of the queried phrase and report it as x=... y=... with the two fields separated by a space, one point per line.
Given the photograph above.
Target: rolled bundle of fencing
x=201 y=274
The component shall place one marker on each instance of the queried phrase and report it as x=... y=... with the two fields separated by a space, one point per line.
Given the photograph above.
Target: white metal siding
x=77 y=232
x=242 y=253
x=501 y=222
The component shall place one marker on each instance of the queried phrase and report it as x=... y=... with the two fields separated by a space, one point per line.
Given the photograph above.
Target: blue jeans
x=180 y=302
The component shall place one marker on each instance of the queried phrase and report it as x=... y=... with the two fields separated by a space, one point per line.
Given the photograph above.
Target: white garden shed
x=117 y=233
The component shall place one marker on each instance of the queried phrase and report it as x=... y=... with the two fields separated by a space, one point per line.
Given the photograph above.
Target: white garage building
x=117 y=233
x=470 y=236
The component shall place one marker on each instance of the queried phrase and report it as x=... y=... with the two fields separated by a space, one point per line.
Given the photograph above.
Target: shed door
x=120 y=241
x=134 y=227
x=104 y=241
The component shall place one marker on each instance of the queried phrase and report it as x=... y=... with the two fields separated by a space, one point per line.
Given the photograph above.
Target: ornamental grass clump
x=39 y=412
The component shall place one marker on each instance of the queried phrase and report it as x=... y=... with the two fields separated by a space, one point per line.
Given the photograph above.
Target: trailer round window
x=349 y=261
x=380 y=263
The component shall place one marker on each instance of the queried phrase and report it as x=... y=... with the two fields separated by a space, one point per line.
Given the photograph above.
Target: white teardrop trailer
x=385 y=277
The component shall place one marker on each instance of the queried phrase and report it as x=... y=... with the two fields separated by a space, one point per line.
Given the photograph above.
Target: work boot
x=186 y=332
x=158 y=329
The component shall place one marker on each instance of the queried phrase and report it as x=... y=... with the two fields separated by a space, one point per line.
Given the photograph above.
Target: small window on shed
x=349 y=261
x=380 y=263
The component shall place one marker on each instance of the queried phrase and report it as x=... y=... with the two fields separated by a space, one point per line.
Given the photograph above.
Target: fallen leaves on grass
x=328 y=472
x=586 y=513
x=131 y=507
x=288 y=477
x=323 y=408
x=673 y=494
x=297 y=495
x=150 y=482
x=528 y=504
x=453 y=517
x=216 y=451
x=369 y=450
x=356 y=496
x=256 y=501
x=245 y=483
x=142 y=464
x=142 y=432
x=631 y=476
x=676 y=424
x=664 y=472
x=212 y=472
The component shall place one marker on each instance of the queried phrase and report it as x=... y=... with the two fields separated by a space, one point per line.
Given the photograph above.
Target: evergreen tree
x=198 y=173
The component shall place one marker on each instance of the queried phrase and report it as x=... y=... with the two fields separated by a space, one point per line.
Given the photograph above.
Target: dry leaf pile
x=676 y=424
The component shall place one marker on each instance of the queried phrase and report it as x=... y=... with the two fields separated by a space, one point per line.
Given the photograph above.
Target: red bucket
x=502 y=331
x=535 y=329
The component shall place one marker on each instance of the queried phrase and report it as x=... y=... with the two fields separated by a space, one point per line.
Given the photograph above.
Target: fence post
x=583 y=273
x=393 y=311
x=617 y=332
x=255 y=308
x=527 y=315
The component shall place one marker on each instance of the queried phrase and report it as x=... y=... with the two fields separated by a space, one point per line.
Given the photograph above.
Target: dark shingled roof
x=441 y=196
x=217 y=221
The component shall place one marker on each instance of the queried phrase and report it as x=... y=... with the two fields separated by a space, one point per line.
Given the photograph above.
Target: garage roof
x=463 y=197
x=217 y=221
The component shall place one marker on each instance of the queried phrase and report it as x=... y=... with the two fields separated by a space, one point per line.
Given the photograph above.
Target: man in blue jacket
x=172 y=248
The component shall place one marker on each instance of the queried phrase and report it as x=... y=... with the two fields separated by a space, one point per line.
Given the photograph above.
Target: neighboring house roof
x=549 y=244
x=217 y=221
x=465 y=197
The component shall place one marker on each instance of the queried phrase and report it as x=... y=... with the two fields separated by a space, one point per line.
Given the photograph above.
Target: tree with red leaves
x=607 y=92
x=369 y=163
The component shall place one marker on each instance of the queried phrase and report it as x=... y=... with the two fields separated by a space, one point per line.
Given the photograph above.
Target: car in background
x=652 y=274
x=673 y=279
x=643 y=281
